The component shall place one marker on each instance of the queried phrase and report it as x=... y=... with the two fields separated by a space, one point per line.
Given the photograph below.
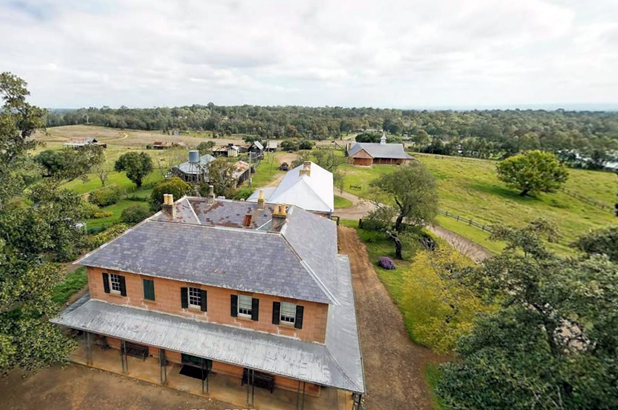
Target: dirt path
x=466 y=247
x=393 y=364
x=77 y=387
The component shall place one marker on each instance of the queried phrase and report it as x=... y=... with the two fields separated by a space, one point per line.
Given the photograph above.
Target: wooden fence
x=597 y=204
x=483 y=226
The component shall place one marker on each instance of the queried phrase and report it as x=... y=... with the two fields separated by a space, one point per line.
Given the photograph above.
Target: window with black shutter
x=255 y=309
x=203 y=302
x=123 y=286
x=276 y=312
x=106 y=282
x=234 y=306
x=149 y=292
x=298 y=323
x=184 y=298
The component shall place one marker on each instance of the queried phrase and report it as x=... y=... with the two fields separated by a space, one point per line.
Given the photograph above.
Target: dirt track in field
x=393 y=363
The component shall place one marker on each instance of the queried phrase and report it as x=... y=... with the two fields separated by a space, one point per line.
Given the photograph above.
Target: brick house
x=254 y=291
x=383 y=153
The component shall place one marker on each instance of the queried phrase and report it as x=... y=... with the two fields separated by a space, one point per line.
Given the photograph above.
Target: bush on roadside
x=438 y=310
x=386 y=263
x=134 y=214
x=106 y=196
x=380 y=219
x=102 y=214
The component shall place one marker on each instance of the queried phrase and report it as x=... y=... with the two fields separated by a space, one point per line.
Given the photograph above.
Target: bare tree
x=102 y=171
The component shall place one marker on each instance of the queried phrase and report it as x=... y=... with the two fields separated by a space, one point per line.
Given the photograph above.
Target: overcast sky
x=406 y=53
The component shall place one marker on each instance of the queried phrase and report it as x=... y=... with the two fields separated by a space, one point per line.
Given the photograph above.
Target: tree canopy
x=137 y=165
x=553 y=339
x=533 y=172
x=411 y=191
x=38 y=222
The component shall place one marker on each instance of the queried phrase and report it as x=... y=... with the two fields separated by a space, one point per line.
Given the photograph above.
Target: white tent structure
x=307 y=186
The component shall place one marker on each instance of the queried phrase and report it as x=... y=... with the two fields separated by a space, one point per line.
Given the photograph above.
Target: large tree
x=137 y=165
x=411 y=190
x=38 y=225
x=533 y=172
x=551 y=342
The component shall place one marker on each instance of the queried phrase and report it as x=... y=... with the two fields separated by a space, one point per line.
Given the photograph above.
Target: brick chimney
x=168 y=207
x=306 y=169
x=261 y=201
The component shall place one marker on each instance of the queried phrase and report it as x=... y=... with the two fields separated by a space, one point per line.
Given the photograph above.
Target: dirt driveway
x=393 y=364
x=77 y=387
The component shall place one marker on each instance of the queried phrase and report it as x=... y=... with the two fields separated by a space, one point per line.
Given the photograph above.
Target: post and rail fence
x=483 y=226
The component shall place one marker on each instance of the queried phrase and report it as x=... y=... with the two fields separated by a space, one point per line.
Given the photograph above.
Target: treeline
x=477 y=133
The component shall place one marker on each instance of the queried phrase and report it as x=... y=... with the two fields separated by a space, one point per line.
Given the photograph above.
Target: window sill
x=117 y=295
x=195 y=308
x=248 y=318
x=286 y=325
x=152 y=302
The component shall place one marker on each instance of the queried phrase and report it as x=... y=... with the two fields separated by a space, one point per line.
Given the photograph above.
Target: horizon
x=425 y=55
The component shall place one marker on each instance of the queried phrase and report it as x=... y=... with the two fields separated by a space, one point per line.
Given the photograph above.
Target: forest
x=481 y=134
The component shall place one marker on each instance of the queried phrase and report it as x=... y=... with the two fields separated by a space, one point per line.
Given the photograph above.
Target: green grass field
x=471 y=189
x=72 y=283
x=341 y=202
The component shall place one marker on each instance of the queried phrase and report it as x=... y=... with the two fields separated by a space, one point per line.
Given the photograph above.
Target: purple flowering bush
x=386 y=263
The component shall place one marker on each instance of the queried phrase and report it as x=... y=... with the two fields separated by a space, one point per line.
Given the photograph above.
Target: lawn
x=116 y=210
x=71 y=284
x=341 y=202
x=470 y=188
x=267 y=171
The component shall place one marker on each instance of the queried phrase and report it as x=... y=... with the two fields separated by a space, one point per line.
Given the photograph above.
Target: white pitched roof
x=312 y=192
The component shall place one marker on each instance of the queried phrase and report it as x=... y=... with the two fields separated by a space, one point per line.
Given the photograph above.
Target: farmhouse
x=82 y=142
x=308 y=186
x=367 y=154
x=229 y=150
x=231 y=294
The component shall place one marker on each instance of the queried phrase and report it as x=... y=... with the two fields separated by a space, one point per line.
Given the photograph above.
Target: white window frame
x=194 y=298
x=114 y=284
x=245 y=306
x=287 y=314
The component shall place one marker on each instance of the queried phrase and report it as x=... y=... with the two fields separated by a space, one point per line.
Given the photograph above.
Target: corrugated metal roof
x=275 y=354
x=395 y=151
x=196 y=168
x=313 y=192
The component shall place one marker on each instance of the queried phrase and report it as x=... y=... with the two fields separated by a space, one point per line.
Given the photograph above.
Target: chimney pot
x=168 y=206
x=261 y=200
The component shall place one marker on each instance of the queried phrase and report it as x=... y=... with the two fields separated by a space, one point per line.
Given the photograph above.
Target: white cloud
x=317 y=52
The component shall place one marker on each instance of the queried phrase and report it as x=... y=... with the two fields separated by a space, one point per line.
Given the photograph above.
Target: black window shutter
x=255 y=309
x=203 y=301
x=234 y=306
x=123 y=286
x=184 y=298
x=106 y=282
x=276 y=312
x=298 y=323
x=149 y=292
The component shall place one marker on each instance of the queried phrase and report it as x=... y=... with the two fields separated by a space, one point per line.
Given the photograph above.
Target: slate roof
x=376 y=150
x=294 y=261
x=313 y=192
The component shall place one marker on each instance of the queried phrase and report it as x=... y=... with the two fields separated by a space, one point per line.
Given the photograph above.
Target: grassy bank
x=470 y=188
x=71 y=284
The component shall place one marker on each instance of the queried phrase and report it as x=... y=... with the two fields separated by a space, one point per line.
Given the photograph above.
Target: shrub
x=89 y=209
x=102 y=214
x=107 y=235
x=106 y=196
x=175 y=186
x=243 y=193
x=380 y=219
x=386 y=263
x=134 y=214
